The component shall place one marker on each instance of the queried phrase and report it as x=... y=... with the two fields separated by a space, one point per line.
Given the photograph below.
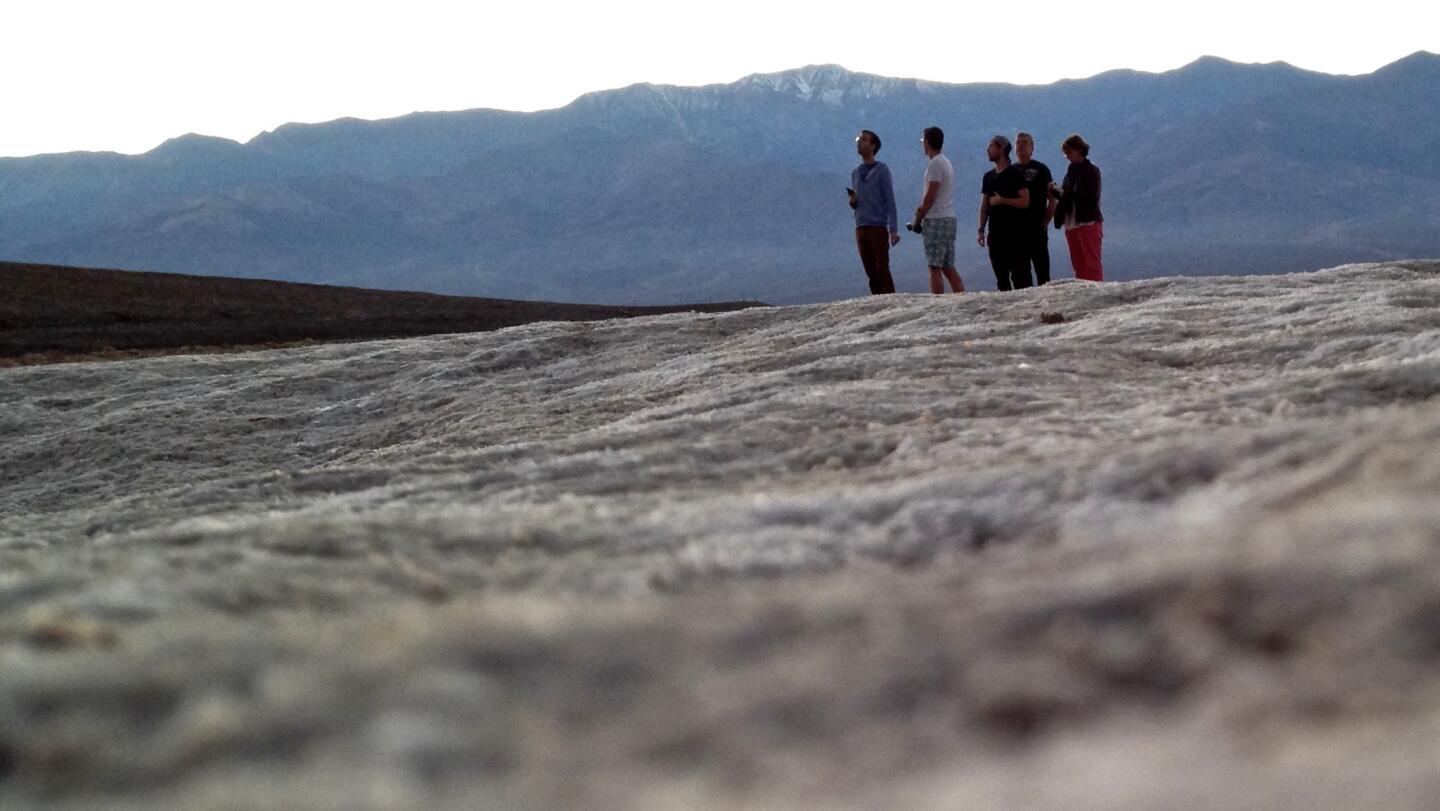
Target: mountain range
x=662 y=194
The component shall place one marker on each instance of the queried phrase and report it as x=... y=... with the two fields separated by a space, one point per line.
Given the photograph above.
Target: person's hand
x=980 y=237
x=854 y=199
x=894 y=238
x=995 y=200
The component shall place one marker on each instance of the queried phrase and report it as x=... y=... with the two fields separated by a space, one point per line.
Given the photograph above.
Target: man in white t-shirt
x=936 y=215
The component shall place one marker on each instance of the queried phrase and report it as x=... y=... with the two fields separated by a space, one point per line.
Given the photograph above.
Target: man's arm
x=1049 y=198
x=984 y=217
x=932 y=190
x=1023 y=201
x=892 y=218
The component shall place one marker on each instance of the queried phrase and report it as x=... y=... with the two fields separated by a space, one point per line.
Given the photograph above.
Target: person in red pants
x=1077 y=210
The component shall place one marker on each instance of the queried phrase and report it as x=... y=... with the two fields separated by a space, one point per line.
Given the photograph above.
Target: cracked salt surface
x=898 y=550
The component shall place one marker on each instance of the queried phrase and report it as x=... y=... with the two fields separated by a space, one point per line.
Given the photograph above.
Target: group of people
x=1019 y=200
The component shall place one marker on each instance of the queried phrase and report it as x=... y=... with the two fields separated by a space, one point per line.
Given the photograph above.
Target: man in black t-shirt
x=1035 y=234
x=1003 y=203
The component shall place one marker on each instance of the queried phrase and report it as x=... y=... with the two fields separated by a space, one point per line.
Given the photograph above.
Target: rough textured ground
x=1180 y=550
x=50 y=313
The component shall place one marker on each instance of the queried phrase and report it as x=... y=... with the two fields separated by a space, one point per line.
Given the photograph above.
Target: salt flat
x=1181 y=550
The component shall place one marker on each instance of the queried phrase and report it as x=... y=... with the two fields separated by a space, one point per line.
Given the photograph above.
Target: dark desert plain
x=1162 y=544
x=51 y=313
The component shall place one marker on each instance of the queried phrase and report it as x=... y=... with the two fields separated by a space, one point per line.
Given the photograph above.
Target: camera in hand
x=915 y=226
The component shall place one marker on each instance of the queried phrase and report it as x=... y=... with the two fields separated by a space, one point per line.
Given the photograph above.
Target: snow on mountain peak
x=831 y=84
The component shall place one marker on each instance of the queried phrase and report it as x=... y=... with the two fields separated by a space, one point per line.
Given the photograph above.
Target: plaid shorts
x=939 y=237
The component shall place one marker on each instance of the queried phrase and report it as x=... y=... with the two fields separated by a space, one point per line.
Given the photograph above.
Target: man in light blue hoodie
x=872 y=195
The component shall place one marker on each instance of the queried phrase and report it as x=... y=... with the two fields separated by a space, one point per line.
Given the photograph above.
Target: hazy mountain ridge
x=654 y=197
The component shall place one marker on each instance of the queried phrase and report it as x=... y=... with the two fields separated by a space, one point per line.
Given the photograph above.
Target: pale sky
x=125 y=76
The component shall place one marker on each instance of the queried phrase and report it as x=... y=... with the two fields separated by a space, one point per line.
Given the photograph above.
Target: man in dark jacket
x=1077 y=210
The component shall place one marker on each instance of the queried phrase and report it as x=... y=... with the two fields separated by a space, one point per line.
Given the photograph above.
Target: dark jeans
x=1008 y=259
x=874 y=244
x=1036 y=244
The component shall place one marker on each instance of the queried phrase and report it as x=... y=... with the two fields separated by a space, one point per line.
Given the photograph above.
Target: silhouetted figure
x=935 y=216
x=1003 y=203
x=877 y=226
x=1035 y=230
x=1078 y=210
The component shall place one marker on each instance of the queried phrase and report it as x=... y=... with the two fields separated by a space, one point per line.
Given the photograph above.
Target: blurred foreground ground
x=1180 y=550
